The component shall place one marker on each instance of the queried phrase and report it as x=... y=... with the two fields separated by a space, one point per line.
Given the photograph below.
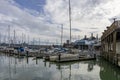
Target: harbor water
x=14 y=68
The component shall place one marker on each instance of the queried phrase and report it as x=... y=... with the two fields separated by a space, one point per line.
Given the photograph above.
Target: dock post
x=27 y=53
x=117 y=59
x=9 y=52
x=94 y=55
x=114 y=43
x=79 y=56
x=59 y=57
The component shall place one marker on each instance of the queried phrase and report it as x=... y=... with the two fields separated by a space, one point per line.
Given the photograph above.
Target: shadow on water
x=14 y=68
x=108 y=71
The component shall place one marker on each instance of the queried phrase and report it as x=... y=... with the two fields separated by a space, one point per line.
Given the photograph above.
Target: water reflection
x=22 y=68
x=75 y=70
x=109 y=72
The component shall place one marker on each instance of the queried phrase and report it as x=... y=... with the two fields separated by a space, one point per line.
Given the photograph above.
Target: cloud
x=23 y=21
x=87 y=16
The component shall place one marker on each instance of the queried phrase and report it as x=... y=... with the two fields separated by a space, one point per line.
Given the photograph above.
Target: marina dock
x=59 y=39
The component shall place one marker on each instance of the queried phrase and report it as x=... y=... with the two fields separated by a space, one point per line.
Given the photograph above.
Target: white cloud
x=23 y=21
x=85 y=14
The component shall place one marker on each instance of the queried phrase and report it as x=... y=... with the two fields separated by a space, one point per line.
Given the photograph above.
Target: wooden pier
x=70 y=58
x=53 y=57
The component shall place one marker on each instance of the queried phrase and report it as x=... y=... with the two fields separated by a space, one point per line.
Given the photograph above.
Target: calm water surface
x=12 y=68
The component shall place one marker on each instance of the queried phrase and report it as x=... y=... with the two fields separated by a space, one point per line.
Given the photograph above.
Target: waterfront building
x=110 y=42
x=87 y=43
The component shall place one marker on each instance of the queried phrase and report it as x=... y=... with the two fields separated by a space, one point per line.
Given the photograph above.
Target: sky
x=43 y=18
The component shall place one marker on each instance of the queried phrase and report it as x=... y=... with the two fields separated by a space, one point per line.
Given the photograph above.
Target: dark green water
x=30 y=69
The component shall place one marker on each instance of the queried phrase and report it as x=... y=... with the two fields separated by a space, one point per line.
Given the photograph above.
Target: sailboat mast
x=39 y=41
x=22 y=40
x=4 y=38
x=28 y=39
x=70 y=18
x=14 y=38
x=33 y=41
x=61 y=33
x=9 y=35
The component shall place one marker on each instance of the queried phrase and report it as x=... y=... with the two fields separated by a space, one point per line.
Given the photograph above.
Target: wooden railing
x=111 y=29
